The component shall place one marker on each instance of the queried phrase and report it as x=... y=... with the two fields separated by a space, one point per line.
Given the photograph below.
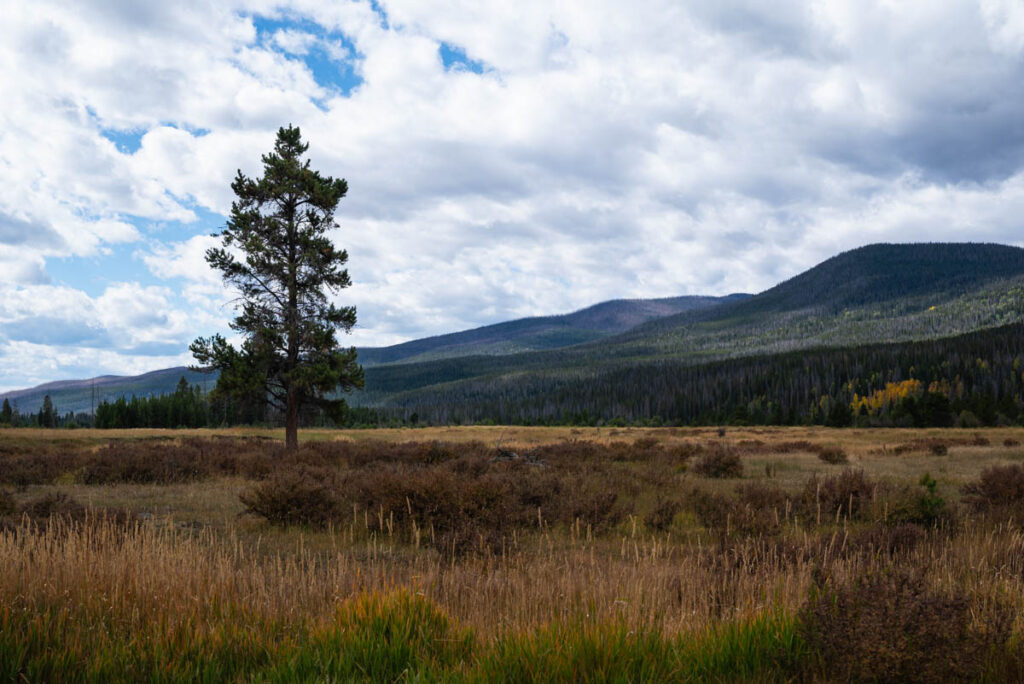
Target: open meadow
x=512 y=554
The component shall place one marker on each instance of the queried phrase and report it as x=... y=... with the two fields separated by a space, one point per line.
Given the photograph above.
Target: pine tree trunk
x=291 y=426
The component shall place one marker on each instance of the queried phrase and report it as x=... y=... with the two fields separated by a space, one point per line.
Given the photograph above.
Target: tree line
x=190 y=407
x=46 y=417
x=971 y=380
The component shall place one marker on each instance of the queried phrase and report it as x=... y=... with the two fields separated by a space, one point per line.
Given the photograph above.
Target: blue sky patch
x=93 y=274
x=332 y=58
x=121 y=262
x=127 y=142
x=454 y=58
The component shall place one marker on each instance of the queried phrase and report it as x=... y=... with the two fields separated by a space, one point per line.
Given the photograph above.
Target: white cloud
x=606 y=150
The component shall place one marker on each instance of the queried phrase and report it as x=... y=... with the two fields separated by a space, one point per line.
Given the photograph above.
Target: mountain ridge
x=542 y=332
x=884 y=293
x=592 y=322
x=876 y=293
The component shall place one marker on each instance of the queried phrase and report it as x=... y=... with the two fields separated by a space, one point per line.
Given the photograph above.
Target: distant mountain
x=885 y=293
x=79 y=395
x=542 y=332
x=868 y=276
x=878 y=293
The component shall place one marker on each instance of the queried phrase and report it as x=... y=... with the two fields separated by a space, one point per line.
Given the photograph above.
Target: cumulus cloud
x=578 y=152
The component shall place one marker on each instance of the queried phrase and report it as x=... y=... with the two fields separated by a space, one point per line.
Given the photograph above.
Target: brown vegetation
x=639 y=530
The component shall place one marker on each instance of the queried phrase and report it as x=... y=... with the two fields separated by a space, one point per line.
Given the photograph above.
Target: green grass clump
x=766 y=648
x=381 y=638
x=395 y=636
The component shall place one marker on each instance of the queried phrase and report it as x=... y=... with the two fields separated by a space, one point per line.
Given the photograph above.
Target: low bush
x=39 y=467
x=459 y=510
x=931 y=444
x=661 y=516
x=296 y=495
x=646 y=443
x=131 y=463
x=796 y=446
x=460 y=502
x=600 y=507
x=891 y=627
x=832 y=455
x=762 y=497
x=757 y=510
x=719 y=462
x=846 y=493
x=922 y=506
x=7 y=505
x=999 y=489
x=887 y=539
x=53 y=504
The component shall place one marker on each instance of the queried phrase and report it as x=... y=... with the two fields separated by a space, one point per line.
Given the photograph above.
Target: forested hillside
x=880 y=293
x=971 y=379
x=82 y=396
x=935 y=320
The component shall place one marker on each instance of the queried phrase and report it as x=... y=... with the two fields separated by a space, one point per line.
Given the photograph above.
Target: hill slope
x=924 y=274
x=542 y=332
x=79 y=395
x=879 y=293
x=977 y=373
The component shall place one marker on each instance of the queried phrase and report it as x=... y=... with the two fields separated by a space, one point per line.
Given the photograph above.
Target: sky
x=504 y=159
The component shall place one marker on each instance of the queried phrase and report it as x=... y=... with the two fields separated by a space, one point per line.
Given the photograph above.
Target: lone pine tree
x=47 y=417
x=276 y=254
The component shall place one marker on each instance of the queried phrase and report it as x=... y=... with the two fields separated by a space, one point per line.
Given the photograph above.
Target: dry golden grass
x=160 y=573
x=195 y=562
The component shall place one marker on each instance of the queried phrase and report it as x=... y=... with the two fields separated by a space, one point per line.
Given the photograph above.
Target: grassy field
x=512 y=554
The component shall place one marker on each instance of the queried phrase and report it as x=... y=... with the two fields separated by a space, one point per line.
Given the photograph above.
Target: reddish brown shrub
x=848 y=493
x=881 y=538
x=890 y=627
x=7 y=505
x=719 y=461
x=1000 y=488
x=41 y=466
x=598 y=507
x=832 y=455
x=144 y=463
x=296 y=495
x=932 y=444
x=761 y=496
x=756 y=511
x=646 y=443
x=797 y=446
x=680 y=454
x=661 y=516
x=54 y=504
